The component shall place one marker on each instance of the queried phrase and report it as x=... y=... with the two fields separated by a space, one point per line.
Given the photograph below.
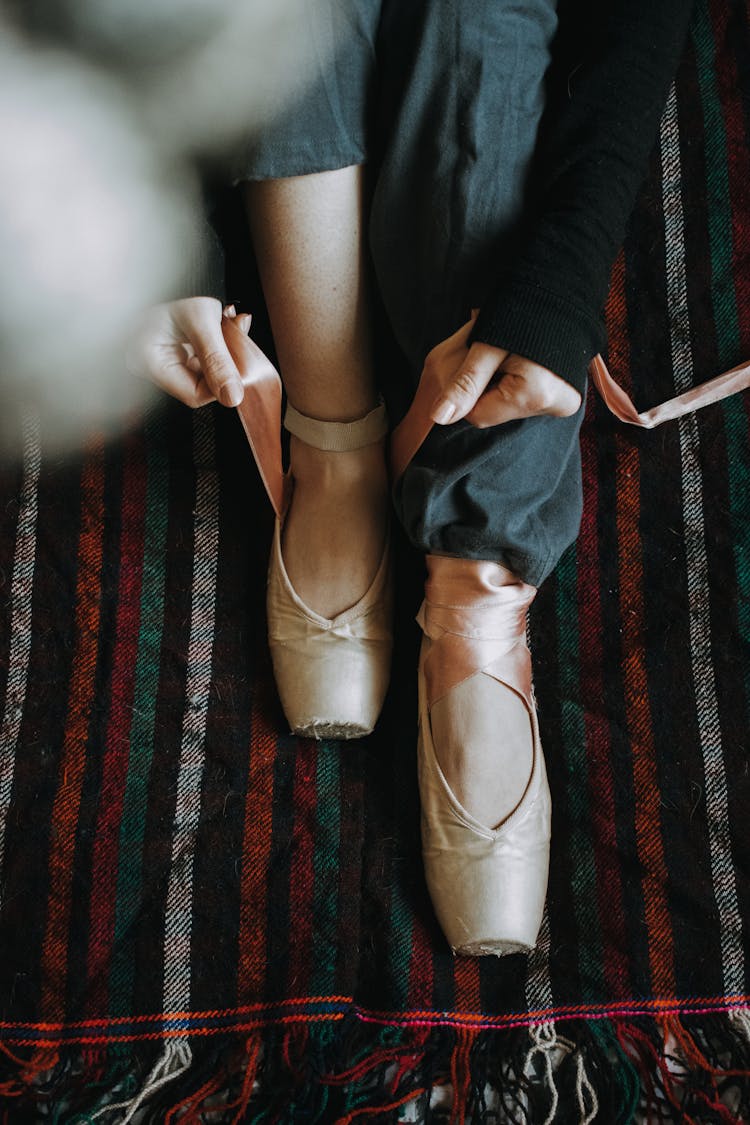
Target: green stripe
x=724 y=302
x=573 y=733
x=132 y=826
x=326 y=869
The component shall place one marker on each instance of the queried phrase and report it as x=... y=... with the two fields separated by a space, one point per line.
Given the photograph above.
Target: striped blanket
x=205 y=919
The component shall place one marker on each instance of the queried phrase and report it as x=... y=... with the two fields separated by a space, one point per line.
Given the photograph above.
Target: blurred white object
x=205 y=71
x=256 y=60
x=90 y=231
x=99 y=206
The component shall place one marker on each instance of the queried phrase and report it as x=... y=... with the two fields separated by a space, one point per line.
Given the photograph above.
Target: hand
x=180 y=347
x=488 y=385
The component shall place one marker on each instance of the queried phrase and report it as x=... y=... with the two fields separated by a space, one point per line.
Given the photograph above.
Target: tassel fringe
x=684 y=1069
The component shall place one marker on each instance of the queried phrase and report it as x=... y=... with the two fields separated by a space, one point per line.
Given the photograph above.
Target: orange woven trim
x=163 y=1017
x=696 y=1005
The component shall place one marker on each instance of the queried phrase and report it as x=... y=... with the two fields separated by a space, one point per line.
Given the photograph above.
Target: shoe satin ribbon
x=475 y=624
x=260 y=411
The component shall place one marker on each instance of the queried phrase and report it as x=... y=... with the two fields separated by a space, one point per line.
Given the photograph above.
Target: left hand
x=180 y=347
x=488 y=385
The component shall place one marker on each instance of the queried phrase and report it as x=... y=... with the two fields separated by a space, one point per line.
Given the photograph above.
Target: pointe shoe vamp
x=290 y=620
x=332 y=674
x=295 y=625
x=451 y=827
x=438 y=797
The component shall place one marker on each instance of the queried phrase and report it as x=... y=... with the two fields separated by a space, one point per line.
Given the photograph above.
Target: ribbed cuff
x=528 y=320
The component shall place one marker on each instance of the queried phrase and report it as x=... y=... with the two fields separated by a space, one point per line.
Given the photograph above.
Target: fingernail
x=443 y=413
x=232 y=393
x=230 y=311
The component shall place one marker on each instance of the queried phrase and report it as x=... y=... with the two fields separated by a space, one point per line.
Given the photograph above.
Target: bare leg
x=308 y=233
x=308 y=237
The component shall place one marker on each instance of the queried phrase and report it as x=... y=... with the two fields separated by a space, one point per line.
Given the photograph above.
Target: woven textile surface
x=205 y=919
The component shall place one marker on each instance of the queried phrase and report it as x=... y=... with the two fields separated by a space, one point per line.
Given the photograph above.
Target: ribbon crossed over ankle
x=475 y=624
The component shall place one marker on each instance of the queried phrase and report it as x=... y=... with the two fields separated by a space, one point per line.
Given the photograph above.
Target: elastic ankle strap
x=337 y=437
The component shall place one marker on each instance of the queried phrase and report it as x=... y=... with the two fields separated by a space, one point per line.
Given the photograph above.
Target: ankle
x=356 y=468
x=473 y=585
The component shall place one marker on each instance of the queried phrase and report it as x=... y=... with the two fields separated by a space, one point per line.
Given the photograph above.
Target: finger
x=188 y=386
x=203 y=330
x=524 y=390
x=243 y=320
x=465 y=386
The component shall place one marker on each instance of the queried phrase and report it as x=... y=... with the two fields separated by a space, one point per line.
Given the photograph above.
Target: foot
x=335 y=529
x=484 y=745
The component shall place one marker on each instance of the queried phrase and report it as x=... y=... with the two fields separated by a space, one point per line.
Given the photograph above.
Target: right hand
x=488 y=385
x=180 y=346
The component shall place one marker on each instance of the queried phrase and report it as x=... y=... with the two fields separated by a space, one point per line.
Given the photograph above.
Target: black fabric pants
x=442 y=100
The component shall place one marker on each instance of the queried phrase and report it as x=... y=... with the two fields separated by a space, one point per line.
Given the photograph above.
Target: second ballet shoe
x=487 y=885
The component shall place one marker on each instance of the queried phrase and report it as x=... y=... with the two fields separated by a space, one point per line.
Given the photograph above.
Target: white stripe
x=538 y=984
x=178 y=921
x=709 y=730
x=21 y=589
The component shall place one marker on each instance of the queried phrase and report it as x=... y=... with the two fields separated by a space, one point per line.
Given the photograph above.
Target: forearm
x=607 y=91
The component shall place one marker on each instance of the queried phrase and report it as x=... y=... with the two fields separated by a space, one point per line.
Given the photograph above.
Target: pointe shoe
x=331 y=673
x=487 y=885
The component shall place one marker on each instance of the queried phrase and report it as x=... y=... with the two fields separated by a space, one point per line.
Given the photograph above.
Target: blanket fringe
x=671 y=1068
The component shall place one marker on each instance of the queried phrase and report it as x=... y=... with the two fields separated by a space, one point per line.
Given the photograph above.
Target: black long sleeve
x=613 y=62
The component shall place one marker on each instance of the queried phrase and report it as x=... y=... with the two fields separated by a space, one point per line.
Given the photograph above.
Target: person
x=485 y=159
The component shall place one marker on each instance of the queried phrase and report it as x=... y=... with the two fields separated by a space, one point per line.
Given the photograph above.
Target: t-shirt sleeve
x=613 y=62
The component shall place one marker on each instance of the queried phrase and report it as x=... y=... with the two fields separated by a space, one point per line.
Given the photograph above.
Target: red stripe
x=638 y=716
x=302 y=871
x=421 y=966
x=116 y=746
x=72 y=762
x=596 y=723
x=256 y=849
x=466 y=976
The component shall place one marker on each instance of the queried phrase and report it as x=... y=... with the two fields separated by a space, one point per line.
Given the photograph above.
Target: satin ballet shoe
x=487 y=885
x=331 y=673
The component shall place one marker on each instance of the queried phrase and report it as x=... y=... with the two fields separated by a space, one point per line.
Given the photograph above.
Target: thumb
x=463 y=388
x=203 y=331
